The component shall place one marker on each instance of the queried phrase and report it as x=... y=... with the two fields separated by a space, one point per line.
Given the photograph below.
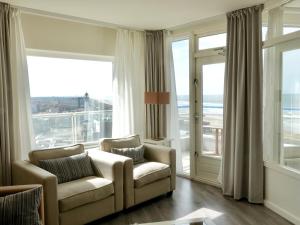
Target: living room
x=135 y=112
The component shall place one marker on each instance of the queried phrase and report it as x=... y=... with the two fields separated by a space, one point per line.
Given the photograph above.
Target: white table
x=182 y=222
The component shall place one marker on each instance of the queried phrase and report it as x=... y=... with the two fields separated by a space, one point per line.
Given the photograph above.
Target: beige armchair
x=78 y=201
x=146 y=180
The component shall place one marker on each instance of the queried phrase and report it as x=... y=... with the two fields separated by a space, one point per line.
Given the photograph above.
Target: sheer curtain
x=173 y=129
x=271 y=87
x=15 y=113
x=23 y=130
x=129 y=84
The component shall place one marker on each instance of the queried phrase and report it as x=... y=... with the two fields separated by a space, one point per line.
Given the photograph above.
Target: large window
x=282 y=87
x=291 y=108
x=71 y=100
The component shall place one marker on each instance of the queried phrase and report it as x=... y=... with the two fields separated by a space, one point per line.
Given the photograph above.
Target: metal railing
x=57 y=129
x=212 y=132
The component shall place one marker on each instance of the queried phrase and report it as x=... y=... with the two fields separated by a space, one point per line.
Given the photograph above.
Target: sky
x=291 y=72
x=181 y=66
x=213 y=74
x=69 y=77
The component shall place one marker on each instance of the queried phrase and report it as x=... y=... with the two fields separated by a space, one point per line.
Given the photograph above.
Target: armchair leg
x=170 y=193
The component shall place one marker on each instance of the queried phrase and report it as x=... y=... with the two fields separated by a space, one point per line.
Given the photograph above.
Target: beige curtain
x=155 y=82
x=243 y=156
x=6 y=109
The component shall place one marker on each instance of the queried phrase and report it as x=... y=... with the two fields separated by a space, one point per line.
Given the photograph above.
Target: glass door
x=209 y=89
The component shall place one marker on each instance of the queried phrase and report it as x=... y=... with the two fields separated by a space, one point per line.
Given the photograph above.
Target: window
x=288 y=30
x=212 y=41
x=291 y=108
x=71 y=100
x=264 y=31
x=212 y=107
x=282 y=85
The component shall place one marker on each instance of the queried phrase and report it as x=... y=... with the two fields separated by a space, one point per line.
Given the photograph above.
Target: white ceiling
x=140 y=14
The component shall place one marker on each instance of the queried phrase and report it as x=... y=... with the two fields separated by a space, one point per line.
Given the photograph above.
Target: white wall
x=282 y=191
x=53 y=34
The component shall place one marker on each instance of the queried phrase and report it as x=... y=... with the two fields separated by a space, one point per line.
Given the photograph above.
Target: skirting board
x=282 y=212
x=202 y=180
x=207 y=181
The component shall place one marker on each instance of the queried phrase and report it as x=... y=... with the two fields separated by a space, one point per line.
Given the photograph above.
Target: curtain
x=242 y=155
x=129 y=84
x=155 y=82
x=173 y=129
x=15 y=113
x=272 y=87
x=6 y=109
x=23 y=130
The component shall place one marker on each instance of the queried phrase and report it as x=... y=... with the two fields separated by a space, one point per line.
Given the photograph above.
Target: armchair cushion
x=148 y=172
x=83 y=191
x=21 y=208
x=69 y=168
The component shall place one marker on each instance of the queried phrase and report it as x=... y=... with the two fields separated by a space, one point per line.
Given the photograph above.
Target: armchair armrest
x=163 y=154
x=128 y=190
x=24 y=172
x=110 y=166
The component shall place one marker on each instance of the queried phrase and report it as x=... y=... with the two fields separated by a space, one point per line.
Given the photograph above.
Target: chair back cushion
x=53 y=153
x=107 y=144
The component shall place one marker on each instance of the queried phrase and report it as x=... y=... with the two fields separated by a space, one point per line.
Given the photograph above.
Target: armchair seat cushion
x=83 y=191
x=148 y=172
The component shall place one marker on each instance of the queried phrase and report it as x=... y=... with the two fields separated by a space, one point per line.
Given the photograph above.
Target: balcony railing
x=58 y=129
x=212 y=133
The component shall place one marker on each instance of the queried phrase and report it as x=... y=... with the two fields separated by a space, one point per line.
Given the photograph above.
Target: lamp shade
x=157 y=98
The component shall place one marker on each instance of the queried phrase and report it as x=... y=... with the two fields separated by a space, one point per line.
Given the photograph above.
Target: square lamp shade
x=157 y=98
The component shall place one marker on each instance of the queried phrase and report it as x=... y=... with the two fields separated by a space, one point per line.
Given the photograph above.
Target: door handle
x=196 y=82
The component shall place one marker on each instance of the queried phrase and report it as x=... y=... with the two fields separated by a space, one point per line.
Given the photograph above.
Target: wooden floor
x=193 y=199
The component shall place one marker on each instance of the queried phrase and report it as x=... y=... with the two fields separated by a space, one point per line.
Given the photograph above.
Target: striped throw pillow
x=21 y=208
x=137 y=153
x=69 y=168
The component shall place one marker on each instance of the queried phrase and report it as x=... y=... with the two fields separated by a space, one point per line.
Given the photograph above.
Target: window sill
x=283 y=169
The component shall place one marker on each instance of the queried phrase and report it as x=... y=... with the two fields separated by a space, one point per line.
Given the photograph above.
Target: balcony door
x=209 y=89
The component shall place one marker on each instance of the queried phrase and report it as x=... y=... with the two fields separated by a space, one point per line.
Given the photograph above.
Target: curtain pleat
x=155 y=82
x=242 y=155
x=6 y=107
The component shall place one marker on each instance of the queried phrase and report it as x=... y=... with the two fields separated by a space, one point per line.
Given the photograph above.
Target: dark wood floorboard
x=194 y=197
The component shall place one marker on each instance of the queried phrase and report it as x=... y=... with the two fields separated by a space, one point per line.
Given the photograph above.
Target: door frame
x=206 y=57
